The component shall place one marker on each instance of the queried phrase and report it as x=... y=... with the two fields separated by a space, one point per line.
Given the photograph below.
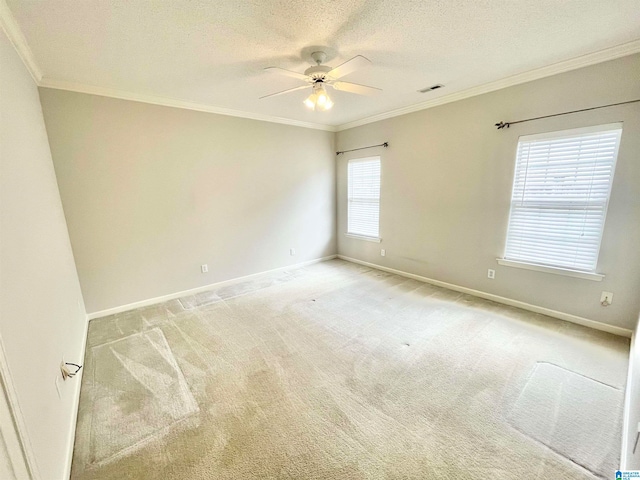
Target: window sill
x=596 y=277
x=363 y=237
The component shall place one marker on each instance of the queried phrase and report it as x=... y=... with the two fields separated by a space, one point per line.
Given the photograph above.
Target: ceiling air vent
x=432 y=87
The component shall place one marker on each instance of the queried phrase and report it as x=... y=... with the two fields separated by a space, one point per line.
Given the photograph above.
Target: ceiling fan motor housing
x=318 y=73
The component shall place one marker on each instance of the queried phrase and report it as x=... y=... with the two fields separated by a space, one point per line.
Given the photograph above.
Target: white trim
x=614 y=130
x=204 y=288
x=595 y=277
x=363 y=237
x=18 y=417
x=624 y=460
x=528 y=76
x=15 y=459
x=18 y=40
x=365 y=159
x=174 y=102
x=623 y=332
x=573 y=132
x=76 y=403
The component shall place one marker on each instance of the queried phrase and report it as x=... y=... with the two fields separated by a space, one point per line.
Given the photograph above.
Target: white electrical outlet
x=606 y=299
x=383 y=252
x=491 y=273
x=292 y=251
x=204 y=268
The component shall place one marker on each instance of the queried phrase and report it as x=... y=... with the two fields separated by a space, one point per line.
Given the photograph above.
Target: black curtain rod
x=385 y=145
x=502 y=125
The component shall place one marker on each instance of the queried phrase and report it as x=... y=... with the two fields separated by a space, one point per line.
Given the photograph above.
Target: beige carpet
x=138 y=392
x=337 y=371
x=573 y=415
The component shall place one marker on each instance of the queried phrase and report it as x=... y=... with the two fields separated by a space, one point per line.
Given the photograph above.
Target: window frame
x=355 y=235
x=558 y=269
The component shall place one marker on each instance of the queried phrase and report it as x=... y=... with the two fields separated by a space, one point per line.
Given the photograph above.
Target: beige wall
x=42 y=316
x=446 y=187
x=150 y=193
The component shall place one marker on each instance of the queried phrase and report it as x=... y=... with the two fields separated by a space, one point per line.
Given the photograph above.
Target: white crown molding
x=538 y=73
x=18 y=40
x=173 y=102
x=14 y=33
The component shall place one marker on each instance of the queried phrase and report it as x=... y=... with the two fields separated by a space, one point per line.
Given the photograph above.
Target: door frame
x=12 y=427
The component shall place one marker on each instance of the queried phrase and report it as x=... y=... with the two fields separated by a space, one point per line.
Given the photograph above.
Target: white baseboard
x=76 y=403
x=193 y=291
x=623 y=332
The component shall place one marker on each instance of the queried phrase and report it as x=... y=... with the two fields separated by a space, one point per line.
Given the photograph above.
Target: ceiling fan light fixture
x=319 y=99
x=322 y=95
x=311 y=101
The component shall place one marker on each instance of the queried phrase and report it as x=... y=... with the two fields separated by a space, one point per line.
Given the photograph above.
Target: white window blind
x=363 y=212
x=561 y=190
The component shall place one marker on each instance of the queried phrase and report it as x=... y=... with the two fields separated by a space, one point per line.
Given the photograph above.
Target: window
x=560 y=195
x=363 y=211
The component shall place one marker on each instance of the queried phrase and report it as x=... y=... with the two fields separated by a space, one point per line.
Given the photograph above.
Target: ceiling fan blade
x=349 y=66
x=285 y=91
x=356 y=88
x=288 y=73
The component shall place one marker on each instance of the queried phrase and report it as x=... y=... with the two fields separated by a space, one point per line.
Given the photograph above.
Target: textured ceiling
x=214 y=52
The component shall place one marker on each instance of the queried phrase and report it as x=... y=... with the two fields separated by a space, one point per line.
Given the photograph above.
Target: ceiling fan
x=319 y=76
